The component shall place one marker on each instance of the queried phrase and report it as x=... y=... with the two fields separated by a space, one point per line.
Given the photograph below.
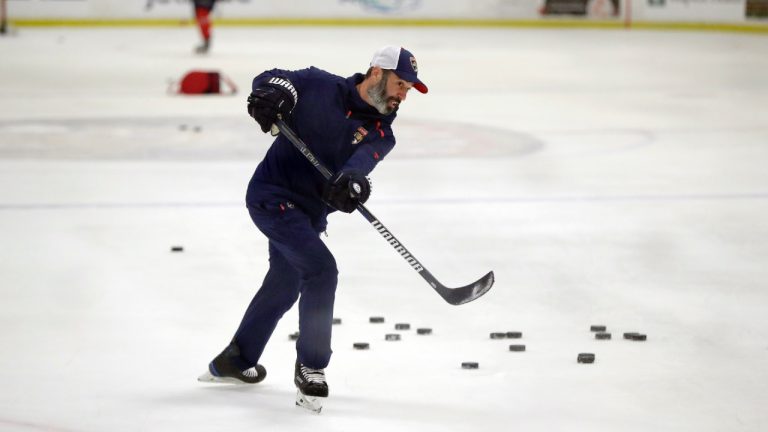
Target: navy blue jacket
x=338 y=126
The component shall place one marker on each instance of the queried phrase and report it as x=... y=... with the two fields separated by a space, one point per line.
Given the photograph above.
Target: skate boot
x=227 y=368
x=311 y=387
x=203 y=47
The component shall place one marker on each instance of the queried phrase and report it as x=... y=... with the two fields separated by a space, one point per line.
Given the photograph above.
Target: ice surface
x=607 y=177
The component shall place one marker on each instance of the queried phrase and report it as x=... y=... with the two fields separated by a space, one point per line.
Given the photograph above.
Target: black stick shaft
x=454 y=296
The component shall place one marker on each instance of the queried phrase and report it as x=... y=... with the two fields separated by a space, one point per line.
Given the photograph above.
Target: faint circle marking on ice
x=226 y=138
x=429 y=139
x=34 y=128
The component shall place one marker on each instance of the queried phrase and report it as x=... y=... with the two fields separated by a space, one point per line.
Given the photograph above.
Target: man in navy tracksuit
x=346 y=122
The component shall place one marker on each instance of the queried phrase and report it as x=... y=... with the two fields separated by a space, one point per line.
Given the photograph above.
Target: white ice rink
x=607 y=177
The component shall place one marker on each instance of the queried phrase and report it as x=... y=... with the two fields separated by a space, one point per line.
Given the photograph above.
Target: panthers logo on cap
x=414 y=65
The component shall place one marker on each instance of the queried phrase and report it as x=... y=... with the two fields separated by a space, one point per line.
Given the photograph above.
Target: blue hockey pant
x=300 y=266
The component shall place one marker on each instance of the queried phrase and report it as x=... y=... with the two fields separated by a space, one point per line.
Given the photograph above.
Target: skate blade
x=207 y=377
x=311 y=403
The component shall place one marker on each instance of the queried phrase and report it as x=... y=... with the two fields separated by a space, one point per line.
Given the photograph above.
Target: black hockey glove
x=345 y=190
x=276 y=96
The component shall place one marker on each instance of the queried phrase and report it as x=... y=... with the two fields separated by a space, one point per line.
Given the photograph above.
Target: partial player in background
x=3 y=18
x=346 y=123
x=203 y=10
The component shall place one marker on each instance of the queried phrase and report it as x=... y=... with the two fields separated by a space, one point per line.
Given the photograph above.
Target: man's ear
x=376 y=74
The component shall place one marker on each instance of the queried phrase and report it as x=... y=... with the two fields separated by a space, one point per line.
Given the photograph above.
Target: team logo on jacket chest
x=359 y=135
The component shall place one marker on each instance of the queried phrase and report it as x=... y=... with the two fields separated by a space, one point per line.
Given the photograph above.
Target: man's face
x=389 y=92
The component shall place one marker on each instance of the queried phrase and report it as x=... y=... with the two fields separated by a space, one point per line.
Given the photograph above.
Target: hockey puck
x=182 y=127
x=361 y=345
x=498 y=335
x=517 y=348
x=470 y=365
x=392 y=337
x=293 y=336
x=639 y=337
x=177 y=248
x=585 y=358
x=598 y=328
x=402 y=326
x=376 y=319
x=197 y=129
x=603 y=336
x=629 y=335
x=337 y=321
x=423 y=331
x=514 y=335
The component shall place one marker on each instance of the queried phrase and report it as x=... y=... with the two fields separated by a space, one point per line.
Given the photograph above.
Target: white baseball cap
x=402 y=62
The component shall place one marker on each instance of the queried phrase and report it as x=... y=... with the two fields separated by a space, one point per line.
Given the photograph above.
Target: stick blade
x=466 y=294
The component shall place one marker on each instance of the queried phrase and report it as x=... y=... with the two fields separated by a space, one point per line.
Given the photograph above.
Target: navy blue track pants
x=300 y=265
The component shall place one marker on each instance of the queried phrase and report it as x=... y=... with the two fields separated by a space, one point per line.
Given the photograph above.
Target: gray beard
x=378 y=95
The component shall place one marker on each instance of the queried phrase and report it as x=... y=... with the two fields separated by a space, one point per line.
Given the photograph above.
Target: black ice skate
x=312 y=388
x=223 y=369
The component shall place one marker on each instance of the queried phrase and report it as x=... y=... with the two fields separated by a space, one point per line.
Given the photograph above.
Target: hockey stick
x=454 y=296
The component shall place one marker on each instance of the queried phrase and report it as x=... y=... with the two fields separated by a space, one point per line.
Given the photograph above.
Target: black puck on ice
x=177 y=248
x=470 y=365
x=361 y=345
x=402 y=326
x=337 y=321
x=603 y=336
x=585 y=358
x=498 y=335
x=376 y=319
x=392 y=337
x=634 y=336
x=293 y=336
x=598 y=328
x=514 y=334
x=423 y=331
x=517 y=348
